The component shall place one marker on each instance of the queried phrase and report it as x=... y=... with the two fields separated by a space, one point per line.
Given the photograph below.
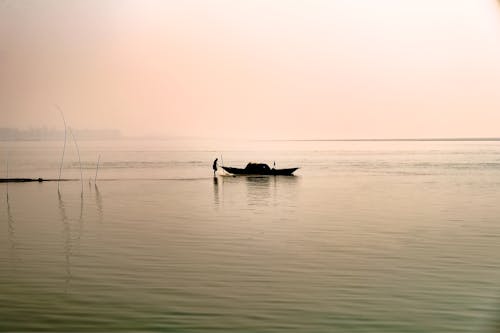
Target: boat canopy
x=257 y=167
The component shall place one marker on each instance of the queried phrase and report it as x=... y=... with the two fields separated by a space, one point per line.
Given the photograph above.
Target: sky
x=283 y=69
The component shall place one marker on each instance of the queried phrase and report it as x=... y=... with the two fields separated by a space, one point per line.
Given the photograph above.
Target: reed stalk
x=79 y=159
x=64 y=147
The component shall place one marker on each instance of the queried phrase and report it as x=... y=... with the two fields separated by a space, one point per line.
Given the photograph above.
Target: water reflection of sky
x=172 y=251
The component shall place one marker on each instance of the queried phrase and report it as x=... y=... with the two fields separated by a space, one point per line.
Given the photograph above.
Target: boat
x=260 y=169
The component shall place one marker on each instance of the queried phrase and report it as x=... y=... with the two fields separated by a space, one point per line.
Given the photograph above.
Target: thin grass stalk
x=64 y=148
x=79 y=159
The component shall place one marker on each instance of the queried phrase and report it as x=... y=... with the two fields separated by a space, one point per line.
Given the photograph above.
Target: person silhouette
x=214 y=166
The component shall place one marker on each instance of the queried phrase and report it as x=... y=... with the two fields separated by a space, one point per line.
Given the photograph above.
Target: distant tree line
x=44 y=133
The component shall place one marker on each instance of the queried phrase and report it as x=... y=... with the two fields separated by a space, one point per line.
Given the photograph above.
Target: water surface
x=368 y=237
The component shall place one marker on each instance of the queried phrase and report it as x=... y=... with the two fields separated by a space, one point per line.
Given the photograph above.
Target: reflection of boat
x=259 y=169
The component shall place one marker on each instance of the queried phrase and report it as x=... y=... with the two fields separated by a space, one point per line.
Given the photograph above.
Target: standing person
x=214 y=166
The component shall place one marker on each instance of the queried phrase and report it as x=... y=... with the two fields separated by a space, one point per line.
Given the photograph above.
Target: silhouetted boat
x=259 y=169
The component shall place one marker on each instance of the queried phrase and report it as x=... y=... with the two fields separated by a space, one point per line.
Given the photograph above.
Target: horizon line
x=174 y=137
x=397 y=139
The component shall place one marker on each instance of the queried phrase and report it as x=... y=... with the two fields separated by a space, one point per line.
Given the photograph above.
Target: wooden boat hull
x=270 y=172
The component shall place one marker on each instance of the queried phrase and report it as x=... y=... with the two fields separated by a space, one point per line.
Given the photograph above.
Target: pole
x=7 y=176
x=97 y=169
x=222 y=164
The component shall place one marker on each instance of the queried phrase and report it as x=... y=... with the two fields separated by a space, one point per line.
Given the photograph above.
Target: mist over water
x=368 y=237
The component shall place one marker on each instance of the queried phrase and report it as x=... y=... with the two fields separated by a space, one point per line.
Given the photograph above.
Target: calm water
x=369 y=237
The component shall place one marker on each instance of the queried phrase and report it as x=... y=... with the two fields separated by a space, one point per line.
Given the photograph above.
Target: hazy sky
x=255 y=69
